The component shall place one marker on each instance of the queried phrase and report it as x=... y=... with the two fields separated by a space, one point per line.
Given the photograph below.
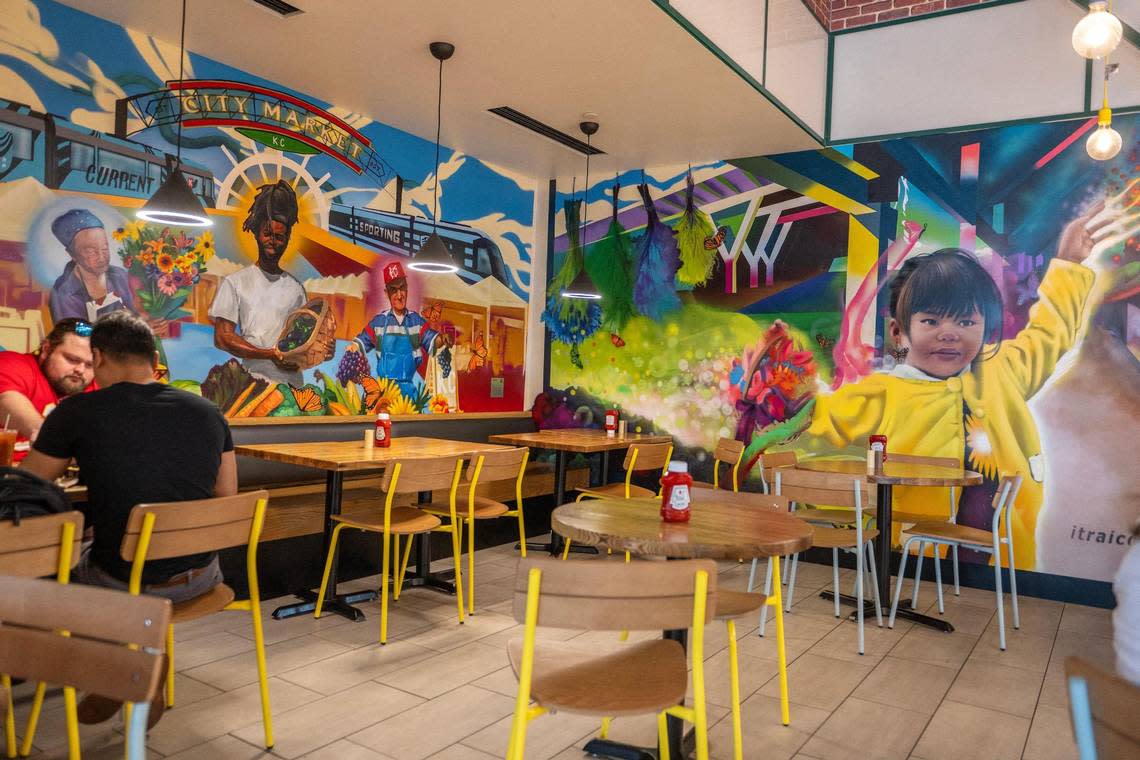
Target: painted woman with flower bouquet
x=165 y=265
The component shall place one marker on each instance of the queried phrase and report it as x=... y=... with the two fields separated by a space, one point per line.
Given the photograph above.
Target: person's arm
x=47 y=467
x=227 y=339
x=366 y=340
x=21 y=415
x=227 y=482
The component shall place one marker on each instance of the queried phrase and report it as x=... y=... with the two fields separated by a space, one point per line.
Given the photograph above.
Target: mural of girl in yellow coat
x=961 y=391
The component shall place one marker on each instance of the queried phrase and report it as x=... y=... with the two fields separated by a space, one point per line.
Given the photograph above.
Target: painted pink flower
x=166 y=285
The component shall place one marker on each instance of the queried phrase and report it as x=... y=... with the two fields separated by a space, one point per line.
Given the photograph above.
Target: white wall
x=535 y=352
x=992 y=64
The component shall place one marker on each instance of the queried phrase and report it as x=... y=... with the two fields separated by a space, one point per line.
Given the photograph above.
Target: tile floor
x=445 y=692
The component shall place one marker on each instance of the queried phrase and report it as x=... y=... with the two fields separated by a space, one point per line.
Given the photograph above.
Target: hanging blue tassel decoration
x=570 y=320
x=658 y=260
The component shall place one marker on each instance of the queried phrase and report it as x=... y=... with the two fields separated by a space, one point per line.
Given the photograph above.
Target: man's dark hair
x=80 y=327
x=950 y=283
x=121 y=336
x=277 y=202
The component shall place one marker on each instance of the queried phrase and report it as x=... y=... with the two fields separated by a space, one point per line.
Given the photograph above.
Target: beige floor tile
x=502 y=681
x=446 y=671
x=997 y=687
x=820 y=682
x=503 y=637
x=357 y=666
x=1035 y=620
x=754 y=673
x=462 y=752
x=315 y=724
x=446 y=637
x=908 y=684
x=1087 y=620
x=223 y=748
x=282 y=630
x=763 y=733
x=546 y=736
x=51 y=732
x=1051 y=735
x=343 y=749
x=208 y=648
x=948 y=650
x=1054 y=687
x=966 y=618
x=402 y=622
x=1021 y=651
x=842 y=642
x=207 y=719
x=1095 y=649
x=437 y=724
x=861 y=729
x=765 y=648
x=241 y=669
x=216 y=623
x=187 y=691
x=957 y=731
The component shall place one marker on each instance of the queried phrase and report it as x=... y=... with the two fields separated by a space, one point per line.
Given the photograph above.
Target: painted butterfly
x=824 y=342
x=714 y=242
x=478 y=353
x=616 y=340
x=308 y=400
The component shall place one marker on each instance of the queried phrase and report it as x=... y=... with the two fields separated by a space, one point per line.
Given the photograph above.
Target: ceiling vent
x=280 y=7
x=549 y=132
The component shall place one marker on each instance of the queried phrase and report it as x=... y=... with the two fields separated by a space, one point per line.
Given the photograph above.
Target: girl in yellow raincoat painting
x=961 y=391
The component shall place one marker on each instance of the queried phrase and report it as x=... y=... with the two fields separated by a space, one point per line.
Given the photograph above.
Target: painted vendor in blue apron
x=398 y=336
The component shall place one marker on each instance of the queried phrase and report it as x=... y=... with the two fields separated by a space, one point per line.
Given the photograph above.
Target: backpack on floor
x=23 y=494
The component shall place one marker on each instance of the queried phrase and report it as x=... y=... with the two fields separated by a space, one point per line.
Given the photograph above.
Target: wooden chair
x=404 y=476
x=842 y=491
x=911 y=517
x=767 y=465
x=642 y=677
x=35 y=548
x=488 y=467
x=728 y=451
x=1105 y=710
x=639 y=457
x=953 y=535
x=92 y=639
x=180 y=528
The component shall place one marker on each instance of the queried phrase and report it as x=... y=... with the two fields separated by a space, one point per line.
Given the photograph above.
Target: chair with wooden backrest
x=93 y=639
x=404 y=476
x=636 y=678
x=488 y=467
x=180 y=528
x=841 y=491
x=639 y=457
x=37 y=547
x=728 y=451
x=939 y=533
x=1105 y=710
x=908 y=517
x=766 y=465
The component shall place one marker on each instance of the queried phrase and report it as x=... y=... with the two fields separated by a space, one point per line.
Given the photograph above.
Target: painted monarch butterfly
x=308 y=400
x=478 y=353
x=897 y=352
x=824 y=341
x=713 y=242
x=372 y=392
x=616 y=340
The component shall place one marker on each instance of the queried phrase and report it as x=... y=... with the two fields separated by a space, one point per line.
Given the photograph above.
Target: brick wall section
x=820 y=9
x=848 y=14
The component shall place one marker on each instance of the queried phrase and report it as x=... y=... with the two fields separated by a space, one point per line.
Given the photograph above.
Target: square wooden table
x=336 y=458
x=564 y=442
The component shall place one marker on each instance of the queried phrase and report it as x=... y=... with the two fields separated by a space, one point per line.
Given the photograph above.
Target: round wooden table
x=894 y=474
x=724 y=525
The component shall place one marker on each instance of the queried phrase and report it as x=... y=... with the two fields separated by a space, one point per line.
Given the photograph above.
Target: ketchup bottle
x=879 y=443
x=611 y=422
x=383 y=430
x=676 y=488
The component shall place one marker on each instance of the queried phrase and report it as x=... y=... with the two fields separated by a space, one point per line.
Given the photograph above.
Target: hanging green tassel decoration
x=570 y=320
x=610 y=265
x=693 y=228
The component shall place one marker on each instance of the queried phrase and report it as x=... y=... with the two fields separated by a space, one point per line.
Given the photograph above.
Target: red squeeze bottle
x=879 y=443
x=611 y=422
x=676 y=489
x=383 y=430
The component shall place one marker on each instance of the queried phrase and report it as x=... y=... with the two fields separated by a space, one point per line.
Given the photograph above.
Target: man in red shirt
x=32 y=384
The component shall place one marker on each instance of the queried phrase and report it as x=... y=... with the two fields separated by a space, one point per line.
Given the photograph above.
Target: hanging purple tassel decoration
x=658 y=260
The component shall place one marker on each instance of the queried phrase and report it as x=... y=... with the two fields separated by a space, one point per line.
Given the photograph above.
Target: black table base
x=903 y=613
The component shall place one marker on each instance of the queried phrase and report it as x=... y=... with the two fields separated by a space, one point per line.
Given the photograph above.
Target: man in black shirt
x=137 y=441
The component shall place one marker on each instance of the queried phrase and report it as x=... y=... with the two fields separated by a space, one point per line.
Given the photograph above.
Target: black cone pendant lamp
x=174 y=203
x=433 y=256
x=583 y=286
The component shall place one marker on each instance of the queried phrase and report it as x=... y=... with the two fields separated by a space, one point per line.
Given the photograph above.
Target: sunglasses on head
x=80 y=327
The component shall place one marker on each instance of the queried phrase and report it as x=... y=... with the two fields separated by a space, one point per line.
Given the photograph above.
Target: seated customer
x=32 y=384
x=1126 y=617
x=137 y=441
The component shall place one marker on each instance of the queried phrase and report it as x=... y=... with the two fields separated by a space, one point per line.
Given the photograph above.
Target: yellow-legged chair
x=33 y=548
x=641 y=677
x=181 y=528
x=404 y=476
x=488 y=467
x=730 y=452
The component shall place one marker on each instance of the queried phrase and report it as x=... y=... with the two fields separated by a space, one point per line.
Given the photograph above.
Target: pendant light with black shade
x=174 y=203
x=433 y=256
x=583 y=286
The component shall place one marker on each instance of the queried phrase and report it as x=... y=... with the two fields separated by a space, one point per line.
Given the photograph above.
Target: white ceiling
x=661 y=97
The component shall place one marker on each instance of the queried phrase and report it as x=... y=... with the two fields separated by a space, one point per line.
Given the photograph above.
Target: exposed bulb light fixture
x=583 y=286
x=174 y=203
x=1098 y=33
x=1105 y=142
x=433 y=256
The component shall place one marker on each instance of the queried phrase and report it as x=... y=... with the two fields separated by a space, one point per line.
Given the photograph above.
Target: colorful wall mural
x=296 y=301
x=757 y=305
